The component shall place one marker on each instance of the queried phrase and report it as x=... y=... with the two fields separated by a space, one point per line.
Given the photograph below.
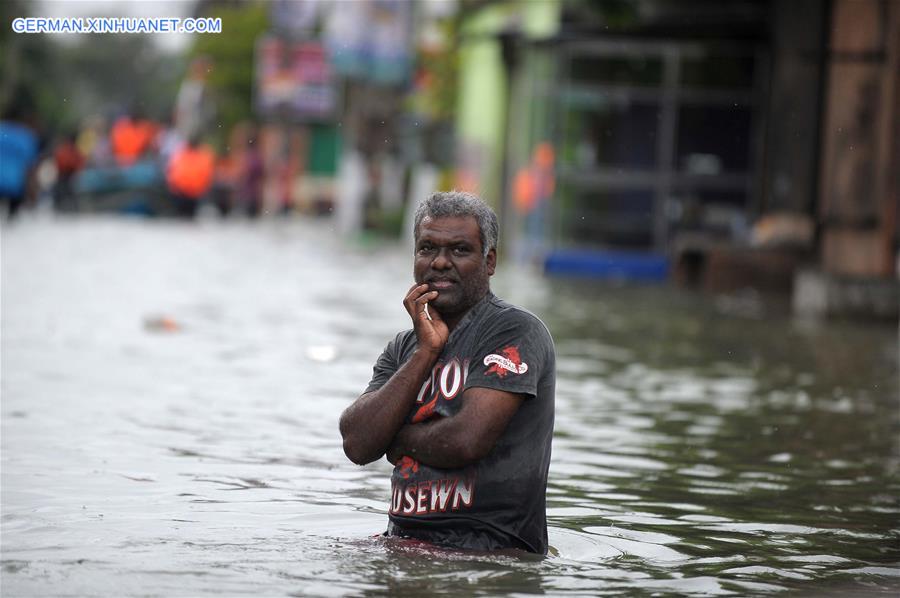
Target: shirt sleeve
x=386 y=365
x=512 y=356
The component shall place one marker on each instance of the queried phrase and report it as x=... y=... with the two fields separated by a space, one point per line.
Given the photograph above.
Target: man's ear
x=491 y=260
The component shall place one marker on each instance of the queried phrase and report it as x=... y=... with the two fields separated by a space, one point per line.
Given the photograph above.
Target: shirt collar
x=470 y=315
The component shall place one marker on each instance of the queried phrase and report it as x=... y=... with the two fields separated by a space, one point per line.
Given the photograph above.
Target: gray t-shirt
x=499 y=501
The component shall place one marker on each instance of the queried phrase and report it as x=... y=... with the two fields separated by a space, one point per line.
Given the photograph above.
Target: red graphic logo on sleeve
x=508 y=361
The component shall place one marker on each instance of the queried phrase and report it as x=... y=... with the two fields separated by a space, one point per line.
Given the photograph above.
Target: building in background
x=726 y=143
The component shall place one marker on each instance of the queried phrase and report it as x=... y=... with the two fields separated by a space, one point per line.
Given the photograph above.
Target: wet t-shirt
x=499 y=501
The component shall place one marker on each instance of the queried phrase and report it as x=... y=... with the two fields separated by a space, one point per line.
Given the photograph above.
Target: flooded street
x=170 y=397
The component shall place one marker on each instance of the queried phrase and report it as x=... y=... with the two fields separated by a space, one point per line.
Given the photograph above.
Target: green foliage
x=124 y=70
x=232 y=53
x=98 y=74
x=64 y=80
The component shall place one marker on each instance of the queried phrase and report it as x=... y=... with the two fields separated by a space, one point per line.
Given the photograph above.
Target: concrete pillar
x=860 y=161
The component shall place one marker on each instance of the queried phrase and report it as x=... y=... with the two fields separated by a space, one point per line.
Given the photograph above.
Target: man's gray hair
x=443 y=204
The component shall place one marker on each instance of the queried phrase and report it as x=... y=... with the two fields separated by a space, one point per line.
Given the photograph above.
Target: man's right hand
x=432 y=334
x=369 y=425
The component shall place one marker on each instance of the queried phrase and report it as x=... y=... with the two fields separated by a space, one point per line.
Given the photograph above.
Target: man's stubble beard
x=472 y=291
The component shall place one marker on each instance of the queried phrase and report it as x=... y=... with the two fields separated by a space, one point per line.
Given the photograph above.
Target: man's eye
x=461 y=250
x=424 y=249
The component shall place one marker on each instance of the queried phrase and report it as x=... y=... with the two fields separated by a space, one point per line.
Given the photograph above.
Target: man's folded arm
x=468 y=436
x=369 y=425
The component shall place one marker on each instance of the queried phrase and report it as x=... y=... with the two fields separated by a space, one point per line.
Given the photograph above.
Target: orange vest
x=130 y=139
x=190 y=171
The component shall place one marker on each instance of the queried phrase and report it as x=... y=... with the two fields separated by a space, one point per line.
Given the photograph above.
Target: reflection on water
x=703 y=445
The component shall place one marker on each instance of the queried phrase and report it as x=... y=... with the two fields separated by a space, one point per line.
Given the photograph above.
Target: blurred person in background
x=168 y=141
x=189 y=176
x=224 y=182
x=229 y=170
x=68 y=160
x=93 y=141
x=252 y=176
x=131 y=137
x=19 y=151
x=193 y=106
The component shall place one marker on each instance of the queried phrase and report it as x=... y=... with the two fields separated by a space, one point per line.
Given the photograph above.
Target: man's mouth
x=441 y=283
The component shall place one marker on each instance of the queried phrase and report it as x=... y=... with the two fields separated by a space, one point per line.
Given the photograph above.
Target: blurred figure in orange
x=535 y=183
x=131 y=137
x=189 y=176
x=69 y=161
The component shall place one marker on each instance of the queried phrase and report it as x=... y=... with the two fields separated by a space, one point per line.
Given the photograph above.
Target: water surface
x=170 y=396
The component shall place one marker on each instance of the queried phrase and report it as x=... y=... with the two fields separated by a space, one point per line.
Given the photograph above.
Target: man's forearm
x=460 y=440
x=370 y=424
x=435 y=443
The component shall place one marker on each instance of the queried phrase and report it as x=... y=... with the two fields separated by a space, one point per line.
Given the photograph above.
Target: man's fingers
x=421 y=305
x=415 y=292
x=409 y=302
x=411 y=293
x=426 y=297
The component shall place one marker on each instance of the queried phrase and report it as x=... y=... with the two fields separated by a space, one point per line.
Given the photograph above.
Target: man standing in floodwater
x=463 y=403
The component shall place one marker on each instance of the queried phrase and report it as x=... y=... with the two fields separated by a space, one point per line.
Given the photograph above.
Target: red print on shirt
x=407 y=465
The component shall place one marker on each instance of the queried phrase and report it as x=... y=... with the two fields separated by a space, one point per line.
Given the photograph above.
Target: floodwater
x=170 y=396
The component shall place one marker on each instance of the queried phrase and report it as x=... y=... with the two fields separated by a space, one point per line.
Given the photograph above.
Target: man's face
x=449 y=257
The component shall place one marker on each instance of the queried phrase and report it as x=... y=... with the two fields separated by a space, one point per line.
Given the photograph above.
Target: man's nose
x=442 y=261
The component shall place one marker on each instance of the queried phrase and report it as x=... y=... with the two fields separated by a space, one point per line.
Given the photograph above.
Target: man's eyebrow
x=451 y=241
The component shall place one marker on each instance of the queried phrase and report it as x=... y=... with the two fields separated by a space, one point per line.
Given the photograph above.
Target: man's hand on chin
x=431 y=330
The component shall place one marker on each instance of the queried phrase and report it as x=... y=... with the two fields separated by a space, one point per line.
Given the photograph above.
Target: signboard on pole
x=294 y=80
